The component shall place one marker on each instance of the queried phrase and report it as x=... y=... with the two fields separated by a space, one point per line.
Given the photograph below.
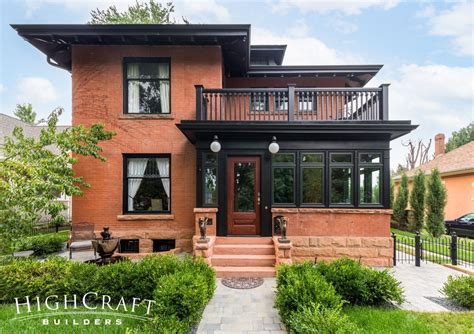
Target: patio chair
x=82 y=237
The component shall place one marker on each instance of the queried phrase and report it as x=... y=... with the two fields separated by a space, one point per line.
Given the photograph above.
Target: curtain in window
x=133 y=88
x=163 y=165
x=136 y=168
x=163 y=70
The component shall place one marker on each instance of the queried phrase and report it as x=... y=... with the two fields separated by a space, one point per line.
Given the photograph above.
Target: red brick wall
x=97 y=77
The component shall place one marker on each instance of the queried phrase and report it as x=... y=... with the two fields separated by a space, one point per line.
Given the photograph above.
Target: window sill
x=147 y=116
x=131 y=217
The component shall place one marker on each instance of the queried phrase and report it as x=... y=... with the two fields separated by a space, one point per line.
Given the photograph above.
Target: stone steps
x=244 y=241
x=244 y=260
x=254 y=249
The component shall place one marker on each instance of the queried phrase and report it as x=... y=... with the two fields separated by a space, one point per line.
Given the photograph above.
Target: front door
x=243 y=197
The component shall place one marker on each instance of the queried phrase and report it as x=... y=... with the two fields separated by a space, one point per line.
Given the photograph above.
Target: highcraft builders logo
x=88 y=310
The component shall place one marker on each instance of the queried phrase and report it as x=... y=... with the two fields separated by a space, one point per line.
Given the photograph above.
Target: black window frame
x=125 y=182
x=203 y=181
x=126 y=61
x=129 y=250
x=288 y=165
x=352 y=165
x=311 y=165
x=380 y=166
x=170 y=243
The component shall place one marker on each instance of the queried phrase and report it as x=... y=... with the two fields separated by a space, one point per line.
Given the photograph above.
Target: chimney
x=439 y=144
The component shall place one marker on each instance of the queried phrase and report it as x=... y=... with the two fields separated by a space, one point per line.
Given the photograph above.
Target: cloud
x=343 y=26
x=199 y=10
x=457 y=23
x=303 y=49
x=347 y=7
x=2 y=88
x=36 y=90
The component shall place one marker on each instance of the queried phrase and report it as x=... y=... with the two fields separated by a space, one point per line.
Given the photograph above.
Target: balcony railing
x=292 y=104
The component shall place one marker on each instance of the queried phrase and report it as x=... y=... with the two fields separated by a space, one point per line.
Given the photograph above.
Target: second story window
x=147 y=86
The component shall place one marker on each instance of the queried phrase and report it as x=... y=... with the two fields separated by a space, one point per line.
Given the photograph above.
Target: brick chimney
x=439 y=144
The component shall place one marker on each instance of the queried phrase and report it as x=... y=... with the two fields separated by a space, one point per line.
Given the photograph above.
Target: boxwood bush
x=181 y=287
x=460 y=290
x=42 y=244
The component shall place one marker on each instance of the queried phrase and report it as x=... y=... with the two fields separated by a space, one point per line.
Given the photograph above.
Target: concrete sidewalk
x=234 y=311
x=422 y=286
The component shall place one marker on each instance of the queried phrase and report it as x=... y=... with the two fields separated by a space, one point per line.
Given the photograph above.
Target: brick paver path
x=233 y=311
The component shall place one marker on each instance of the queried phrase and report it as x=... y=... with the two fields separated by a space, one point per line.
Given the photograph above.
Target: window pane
x=283 y=180
x=341 y=185
x=144 y=97
x=284 y=157
x=244 y=186
x=150 y=196
x=312 y=157
x=341 y=157
x=370 y=158
x=210 y=185
x=369 y=185
x=210 y=159
x=147 y=70
x=312 y=185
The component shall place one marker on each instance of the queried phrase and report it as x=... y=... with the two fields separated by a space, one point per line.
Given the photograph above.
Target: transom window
x=147 y=185
x=147 y=86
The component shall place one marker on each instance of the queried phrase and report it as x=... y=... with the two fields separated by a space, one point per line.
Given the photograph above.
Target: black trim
x=125 y=157
x=125 y=62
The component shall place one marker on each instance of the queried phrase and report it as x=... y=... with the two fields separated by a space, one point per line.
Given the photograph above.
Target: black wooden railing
x=292 y=104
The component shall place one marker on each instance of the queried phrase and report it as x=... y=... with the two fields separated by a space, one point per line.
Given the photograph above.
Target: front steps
x=244 y=257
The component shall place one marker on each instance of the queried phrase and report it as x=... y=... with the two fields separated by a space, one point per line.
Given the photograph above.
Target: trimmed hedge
x=310 y=296
x=181 y=287
x=42 y=244
x=460 y=290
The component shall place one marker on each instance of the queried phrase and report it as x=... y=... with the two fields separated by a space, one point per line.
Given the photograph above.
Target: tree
x=435 y=203
x=25 y=113
x=392 y=195
x=461 y=137
x=32 y=176
x=140 y=13
x=399 y=216
x=417 y=201
x=417 y=153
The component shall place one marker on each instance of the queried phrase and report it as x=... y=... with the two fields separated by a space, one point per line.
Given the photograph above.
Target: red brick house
x=173 y=92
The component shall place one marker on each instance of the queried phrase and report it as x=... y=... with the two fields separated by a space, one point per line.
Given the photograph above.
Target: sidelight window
x=370 y=171
x=210 y=179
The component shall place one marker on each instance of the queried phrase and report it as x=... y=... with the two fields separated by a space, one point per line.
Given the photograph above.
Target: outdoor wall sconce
x=274 y=147
x=215 y=145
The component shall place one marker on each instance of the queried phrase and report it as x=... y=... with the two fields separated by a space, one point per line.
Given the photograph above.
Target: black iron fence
x=46 y=228
x=443 y=250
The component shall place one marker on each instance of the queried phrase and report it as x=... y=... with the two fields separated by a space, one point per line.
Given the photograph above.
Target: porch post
x=291 y=102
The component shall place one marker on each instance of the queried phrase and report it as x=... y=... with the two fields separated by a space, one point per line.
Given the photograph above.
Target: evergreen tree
x=417 y=201
x=392 y=195
x=25 y=113
x=435 y=203
x=401 y=200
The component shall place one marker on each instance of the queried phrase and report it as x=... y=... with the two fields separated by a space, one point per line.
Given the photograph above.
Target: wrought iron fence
x=43 y=229
x=442 y=250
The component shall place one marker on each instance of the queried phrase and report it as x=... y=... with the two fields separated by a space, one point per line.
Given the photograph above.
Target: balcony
x=292 y=104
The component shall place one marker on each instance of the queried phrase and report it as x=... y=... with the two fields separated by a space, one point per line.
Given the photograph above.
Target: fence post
x=454 y=249
x=394 y=237
x=417 y=249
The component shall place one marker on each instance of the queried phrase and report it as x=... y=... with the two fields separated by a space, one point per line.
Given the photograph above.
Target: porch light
x=274 y=147
x=215 y=145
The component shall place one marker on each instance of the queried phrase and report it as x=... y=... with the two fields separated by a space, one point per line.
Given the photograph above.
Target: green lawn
x=394 y=321
x=36 y=326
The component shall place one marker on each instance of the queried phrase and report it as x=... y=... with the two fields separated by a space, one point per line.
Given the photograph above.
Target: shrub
x=361 y=285
x=399 y=216
x=460 y=290
x=417 y=202
x=435 y=203
x=42 y=244
x=317 y=319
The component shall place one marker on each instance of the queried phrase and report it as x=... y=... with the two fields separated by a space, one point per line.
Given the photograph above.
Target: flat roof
x=267 y=52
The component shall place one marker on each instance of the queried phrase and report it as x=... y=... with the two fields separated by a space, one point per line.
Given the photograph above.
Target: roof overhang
x=267 y=53
x=55 y=40
x=325 y=130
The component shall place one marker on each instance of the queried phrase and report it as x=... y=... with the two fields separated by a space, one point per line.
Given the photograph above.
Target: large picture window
x=341 y=170
x=147 y=184
x=147 y=86
x=283 y=165
x=370 y=171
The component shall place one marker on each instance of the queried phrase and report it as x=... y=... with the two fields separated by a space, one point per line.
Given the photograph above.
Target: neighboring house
x=171 y=92
x=457 y=172
x=7 y=125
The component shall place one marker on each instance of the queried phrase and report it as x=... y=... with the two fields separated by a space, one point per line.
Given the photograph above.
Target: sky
x=426 y=48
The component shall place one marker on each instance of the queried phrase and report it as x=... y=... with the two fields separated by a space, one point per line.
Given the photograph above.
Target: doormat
x=242 y=282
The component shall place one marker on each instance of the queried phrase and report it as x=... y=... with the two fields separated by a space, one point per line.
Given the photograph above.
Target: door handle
x=258 y=198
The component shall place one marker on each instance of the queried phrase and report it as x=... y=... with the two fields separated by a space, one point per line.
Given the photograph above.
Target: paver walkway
x=233 y=311
x=422 y=285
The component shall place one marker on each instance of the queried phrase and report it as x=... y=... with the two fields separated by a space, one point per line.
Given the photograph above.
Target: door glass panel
x=244 y=186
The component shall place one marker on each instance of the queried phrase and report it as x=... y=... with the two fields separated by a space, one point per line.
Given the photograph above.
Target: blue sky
x=426 y=48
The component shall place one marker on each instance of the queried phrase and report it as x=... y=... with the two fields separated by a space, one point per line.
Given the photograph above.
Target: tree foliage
x=435 y=203
x=25 y=113
x=399 y=216
x=32 y=176
x=139 y=13
x=417 y=201
x=461 y=137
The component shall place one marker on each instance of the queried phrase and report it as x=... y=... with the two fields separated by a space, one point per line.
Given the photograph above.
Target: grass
x=36 y=326
x=395 y=321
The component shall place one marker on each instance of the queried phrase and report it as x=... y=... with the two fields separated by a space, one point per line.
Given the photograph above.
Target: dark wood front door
x=243 y=195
